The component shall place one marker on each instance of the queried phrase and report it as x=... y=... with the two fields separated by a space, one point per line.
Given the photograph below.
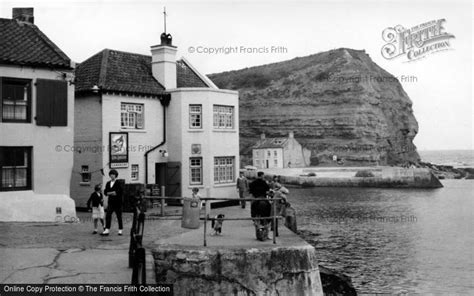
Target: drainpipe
x=165 y=101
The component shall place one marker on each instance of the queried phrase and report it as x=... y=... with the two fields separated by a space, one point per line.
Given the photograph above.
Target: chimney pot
x=24 y=14
x=262 y=136
x=166 y=39
x=291 y=135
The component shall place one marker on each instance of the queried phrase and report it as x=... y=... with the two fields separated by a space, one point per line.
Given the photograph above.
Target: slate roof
x=124 y=72
x=22 y=43
x=186 y=77
x=270 y=143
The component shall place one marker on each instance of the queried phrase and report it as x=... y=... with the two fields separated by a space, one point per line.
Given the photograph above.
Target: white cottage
x=156 y=120
x=36 y=123
x=279 y=153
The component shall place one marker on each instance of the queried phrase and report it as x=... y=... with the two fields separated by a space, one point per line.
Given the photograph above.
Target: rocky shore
x=447 y=171
x=333 y=281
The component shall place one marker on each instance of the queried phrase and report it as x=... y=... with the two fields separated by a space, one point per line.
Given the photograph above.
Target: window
x=195 y=170
x=276 y=162
x=275 y=153
x=224 y=169
x=85 y=174
x=195 y=116
x=132 y=116
x=51 y=102
x=134 y=173
x=269 y=153
x=223 y=117
x=15 y=100
x=15 y=168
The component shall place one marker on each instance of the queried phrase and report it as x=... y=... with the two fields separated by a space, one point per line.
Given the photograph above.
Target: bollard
x=191 y=211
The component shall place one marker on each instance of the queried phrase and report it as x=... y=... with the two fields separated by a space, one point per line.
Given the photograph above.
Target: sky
x=260 y=32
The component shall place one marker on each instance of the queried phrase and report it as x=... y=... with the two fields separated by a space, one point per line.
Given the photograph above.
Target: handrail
x=273 y=201
x=137 y=253
x=212 y=198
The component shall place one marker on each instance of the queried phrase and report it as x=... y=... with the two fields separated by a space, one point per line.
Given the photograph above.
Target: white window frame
x=195 y=115
x=18 y=177
x=195 y=168
x=224 y=169
x=132 y=116
x=85 y=174
x=223 y=117
x=134 y=172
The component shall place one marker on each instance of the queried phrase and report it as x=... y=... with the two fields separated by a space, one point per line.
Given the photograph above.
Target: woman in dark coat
x=114 y=190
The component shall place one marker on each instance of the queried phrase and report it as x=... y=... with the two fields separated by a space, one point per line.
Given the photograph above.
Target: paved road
x=69 y=252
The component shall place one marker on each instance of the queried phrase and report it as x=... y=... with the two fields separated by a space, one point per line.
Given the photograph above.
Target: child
x=97 y=201
x=196 y=195
x=216 y=224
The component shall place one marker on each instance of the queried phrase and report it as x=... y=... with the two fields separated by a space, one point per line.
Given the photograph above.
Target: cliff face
x=337 y=103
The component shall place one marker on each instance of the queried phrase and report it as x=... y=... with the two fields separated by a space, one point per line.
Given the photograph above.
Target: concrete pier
x=235 y=263
x=383 y=177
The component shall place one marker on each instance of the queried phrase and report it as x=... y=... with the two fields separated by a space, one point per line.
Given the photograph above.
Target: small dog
x=216 y=224
x=261 y=231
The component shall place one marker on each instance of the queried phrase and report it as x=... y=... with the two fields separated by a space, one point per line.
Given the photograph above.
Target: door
x=173 y=179
x=267 y=164
x=160 y=173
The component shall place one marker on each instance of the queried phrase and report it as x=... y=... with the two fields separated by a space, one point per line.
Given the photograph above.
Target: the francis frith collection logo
x=416 y=42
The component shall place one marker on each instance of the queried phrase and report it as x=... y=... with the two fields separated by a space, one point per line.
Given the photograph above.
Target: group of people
x=258 y=188
x=261 y=188
x=114 y=191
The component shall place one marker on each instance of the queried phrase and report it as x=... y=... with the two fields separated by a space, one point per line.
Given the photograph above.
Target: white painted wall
x=260 y=157
x=140 y=140
x=214 y=142
x=51 y=169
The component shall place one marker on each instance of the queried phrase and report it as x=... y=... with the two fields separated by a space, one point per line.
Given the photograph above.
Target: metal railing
x=137 y=253
x=274 y=217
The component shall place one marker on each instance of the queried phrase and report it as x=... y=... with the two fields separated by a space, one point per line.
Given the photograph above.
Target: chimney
x=291 y=135
x=24 y=14
x=163 y=62
x=262 y=136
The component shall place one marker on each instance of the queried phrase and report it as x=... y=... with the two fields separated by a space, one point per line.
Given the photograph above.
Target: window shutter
x=51 y=102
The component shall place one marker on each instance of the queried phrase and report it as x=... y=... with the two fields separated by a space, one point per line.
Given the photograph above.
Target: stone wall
x=245 y=271
x=388 y=177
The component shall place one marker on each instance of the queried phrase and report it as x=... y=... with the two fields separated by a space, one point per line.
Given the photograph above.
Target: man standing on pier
x=242 y=187
x=259 y=189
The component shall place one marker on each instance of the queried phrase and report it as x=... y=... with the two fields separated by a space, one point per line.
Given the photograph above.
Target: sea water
x=393 y=240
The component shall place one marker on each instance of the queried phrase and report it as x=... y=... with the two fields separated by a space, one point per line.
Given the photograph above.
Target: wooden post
x=208 y=202
x=162 y=201
x=274 y=221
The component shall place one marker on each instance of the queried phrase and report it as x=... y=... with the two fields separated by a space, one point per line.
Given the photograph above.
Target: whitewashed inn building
x=156 y=120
